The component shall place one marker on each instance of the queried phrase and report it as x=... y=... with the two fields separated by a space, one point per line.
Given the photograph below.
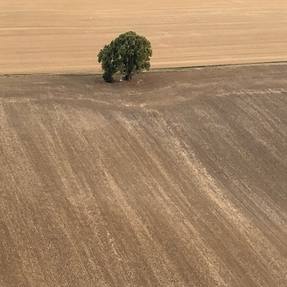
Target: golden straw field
x=66 y=35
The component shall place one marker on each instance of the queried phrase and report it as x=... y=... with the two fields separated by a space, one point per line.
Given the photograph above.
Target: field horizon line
x=152 y=70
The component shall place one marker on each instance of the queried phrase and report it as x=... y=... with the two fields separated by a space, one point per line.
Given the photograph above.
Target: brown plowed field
x=175 y=179
x=66 y=35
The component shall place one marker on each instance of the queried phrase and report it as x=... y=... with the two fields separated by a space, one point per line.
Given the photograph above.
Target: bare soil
x=66 y=35
x=174 y=179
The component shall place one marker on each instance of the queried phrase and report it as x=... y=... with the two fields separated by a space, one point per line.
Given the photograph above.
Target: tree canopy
x=128 y=54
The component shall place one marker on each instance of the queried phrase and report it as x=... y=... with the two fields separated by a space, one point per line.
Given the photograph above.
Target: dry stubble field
x=66 y=35
x=176 y=179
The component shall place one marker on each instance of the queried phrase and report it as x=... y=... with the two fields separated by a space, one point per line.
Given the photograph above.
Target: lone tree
x=128 y=54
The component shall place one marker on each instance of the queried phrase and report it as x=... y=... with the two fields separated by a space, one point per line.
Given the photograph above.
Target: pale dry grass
x=65 y=36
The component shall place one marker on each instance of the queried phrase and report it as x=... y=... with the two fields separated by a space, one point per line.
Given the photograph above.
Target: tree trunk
x=128 y=77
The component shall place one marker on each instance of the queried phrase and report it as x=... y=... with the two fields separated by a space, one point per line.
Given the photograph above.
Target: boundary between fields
x=153 y=70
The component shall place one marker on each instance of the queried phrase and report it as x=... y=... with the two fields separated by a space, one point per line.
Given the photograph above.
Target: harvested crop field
x=175 y=179
x=66 y=35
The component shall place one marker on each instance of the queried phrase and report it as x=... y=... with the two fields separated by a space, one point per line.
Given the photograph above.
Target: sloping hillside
x=176 y=179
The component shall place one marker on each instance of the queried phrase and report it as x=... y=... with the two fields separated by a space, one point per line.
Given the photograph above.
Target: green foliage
x=127 y=54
